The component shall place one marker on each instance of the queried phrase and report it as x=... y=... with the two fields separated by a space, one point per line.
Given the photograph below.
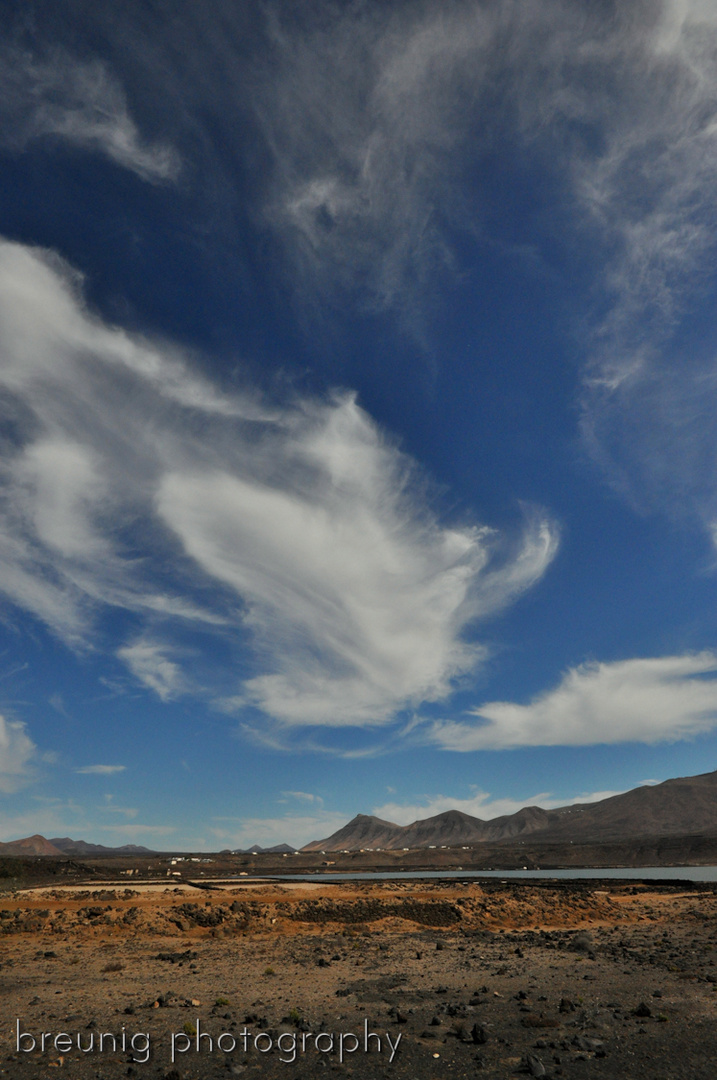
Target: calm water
x=664 y=873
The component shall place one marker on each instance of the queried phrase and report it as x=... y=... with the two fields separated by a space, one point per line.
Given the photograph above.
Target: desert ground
x=411 y=979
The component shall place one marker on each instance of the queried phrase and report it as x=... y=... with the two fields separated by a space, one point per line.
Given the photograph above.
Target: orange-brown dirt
x=454 y=979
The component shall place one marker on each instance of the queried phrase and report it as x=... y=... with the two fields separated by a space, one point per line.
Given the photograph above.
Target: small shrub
x=190 y=1030
x=114 y=966
x=269 y=971
x=222 y=1001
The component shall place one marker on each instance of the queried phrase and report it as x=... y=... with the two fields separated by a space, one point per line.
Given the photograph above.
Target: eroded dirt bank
x=396 y=979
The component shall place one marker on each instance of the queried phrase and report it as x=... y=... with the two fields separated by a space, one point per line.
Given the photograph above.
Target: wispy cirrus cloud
x=364 y=113
x=58 y=96
x=130 y=482
x=377 y=121
x=650 y=700
x=373 y=128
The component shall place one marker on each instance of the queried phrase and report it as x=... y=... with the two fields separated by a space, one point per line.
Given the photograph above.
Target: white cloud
x=357 y=600
x=149 y=664
x=645 y=700
x=101 y=770
x=130 y=481
x=17 y=753
x=303 y=796
x=377 y=121
x=60 y=97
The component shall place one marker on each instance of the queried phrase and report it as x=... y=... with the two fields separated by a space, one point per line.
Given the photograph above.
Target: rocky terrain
x=413 y=980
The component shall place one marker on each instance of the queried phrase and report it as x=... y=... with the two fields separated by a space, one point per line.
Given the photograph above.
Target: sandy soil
x=409 y=980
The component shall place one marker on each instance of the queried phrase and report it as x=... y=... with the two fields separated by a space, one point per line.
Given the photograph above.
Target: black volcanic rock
x=679 y=807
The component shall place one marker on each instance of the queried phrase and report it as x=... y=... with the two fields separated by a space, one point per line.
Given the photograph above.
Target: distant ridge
x=256 y=849
x=31 y=845
x=81 y=847
x=679 y=807
x=62 y=847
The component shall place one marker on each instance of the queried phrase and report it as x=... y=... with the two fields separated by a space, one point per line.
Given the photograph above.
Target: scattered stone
x=534 y=1066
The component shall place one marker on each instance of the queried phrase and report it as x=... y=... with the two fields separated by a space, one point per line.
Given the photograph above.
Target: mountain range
x=683 y=806
x=62 y=846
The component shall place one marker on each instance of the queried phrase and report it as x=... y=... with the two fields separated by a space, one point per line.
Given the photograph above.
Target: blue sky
x=358 y=397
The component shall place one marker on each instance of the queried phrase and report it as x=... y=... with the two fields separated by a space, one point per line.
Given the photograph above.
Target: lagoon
x=619 y=873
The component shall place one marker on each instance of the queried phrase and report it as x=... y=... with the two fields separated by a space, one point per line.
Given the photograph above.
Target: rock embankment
x=237 y=910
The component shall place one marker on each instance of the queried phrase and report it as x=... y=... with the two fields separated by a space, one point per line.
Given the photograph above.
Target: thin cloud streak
x=302 y=796
x=80 y=103
x=101 y=770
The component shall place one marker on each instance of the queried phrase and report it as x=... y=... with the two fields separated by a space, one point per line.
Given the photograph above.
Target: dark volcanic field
x=447 y=979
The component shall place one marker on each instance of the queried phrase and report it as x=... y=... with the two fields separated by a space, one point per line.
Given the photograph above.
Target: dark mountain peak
x=30 y=845
x=363 y=819
x=455 y=816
